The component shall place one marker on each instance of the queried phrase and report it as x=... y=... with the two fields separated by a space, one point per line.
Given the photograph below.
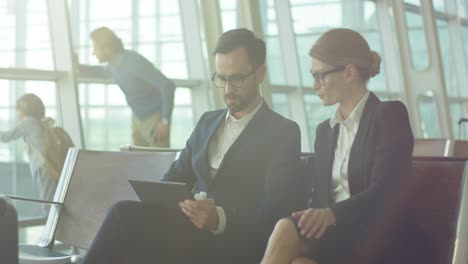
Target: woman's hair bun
x=375 y=61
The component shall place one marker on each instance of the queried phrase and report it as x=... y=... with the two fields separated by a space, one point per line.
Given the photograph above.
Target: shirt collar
x=355 y=115
x=244 y=120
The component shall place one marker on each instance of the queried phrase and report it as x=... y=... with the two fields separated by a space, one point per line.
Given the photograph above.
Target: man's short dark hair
x=242 y=38
x=107 y=38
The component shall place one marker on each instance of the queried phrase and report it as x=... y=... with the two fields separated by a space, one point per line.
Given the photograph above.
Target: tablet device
x=164 y=194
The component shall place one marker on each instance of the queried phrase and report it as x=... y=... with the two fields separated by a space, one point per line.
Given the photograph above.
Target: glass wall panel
x=429 y=117
x=439 y=5
x=281 y=104
x=272 y=39
x=316 y=113
x=313 y=18
x=447 y=58
x=464 y=92
x=151 y=27
x=16 y=177
x=25 y=36
x=417 y=40
x=413 y=2
x=450 y=76
x=464 y=126
x=182 y=118
x=316 y=17
x=462 y=8
x=310 y=20
x=154 y=29
x=105 y=116
x=456 y=114
x=107 y=119
x=229 y=15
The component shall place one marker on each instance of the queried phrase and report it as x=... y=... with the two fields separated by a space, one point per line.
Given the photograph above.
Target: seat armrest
x=19 y=198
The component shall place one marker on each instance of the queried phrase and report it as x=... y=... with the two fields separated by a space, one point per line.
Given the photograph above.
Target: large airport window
x=281 y=104
x=316 y=113
x=312 y=18
x=229 y=14
x=417 y=40
x=107 y=119
x=447 y=58
x=18 y=175
x=413 y=2
x=450 y=76
x=456 y=113
x=429 y=116
x=439 y=5
x=153 y=28
x=464 y=92
x=25 y=36
x=272 y=39
x=160 y=36
x=464 y=112
x=182 y=118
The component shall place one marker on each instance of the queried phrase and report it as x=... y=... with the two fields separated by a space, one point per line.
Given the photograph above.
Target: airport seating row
x=434 y=197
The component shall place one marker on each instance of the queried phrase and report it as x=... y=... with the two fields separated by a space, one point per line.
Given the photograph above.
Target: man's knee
x=123 y=208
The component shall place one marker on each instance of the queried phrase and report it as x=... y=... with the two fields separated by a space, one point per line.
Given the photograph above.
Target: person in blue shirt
x=148 y=92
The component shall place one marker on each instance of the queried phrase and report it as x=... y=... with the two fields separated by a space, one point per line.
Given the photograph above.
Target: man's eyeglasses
x=320 y=76
x=236 y=81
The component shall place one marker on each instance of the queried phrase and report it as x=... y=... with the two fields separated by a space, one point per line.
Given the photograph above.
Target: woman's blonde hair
x=343 y=46
x=31 y=105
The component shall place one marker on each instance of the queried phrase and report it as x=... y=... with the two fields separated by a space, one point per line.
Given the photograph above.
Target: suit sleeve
x=392 y=160
x=281 y=179
x=181 y=170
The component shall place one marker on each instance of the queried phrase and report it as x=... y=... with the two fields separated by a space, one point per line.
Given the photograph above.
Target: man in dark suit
x=244 y=159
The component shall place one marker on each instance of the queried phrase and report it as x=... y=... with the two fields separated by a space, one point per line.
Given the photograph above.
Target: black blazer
x=380 y=155
x=255 y=180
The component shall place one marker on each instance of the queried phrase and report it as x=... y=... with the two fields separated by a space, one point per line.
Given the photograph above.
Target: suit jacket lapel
x=205 y=170
x=356 y=168
x=250 y=133
x=329 y=158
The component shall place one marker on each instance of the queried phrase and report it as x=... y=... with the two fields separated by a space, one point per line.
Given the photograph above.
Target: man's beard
x=242 y=101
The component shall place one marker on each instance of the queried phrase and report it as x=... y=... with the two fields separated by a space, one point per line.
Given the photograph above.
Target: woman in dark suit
x=362 y=152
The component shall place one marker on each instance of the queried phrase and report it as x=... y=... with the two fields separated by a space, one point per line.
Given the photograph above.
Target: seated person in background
x=37 y=132
x=149 y=93
x=245 y=158
x=362 y=153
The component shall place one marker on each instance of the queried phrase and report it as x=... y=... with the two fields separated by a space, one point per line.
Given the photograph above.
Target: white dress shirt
x=226 y=134
x=346 y=136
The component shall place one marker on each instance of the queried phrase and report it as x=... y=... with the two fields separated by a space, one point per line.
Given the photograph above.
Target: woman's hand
x=314 y=222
